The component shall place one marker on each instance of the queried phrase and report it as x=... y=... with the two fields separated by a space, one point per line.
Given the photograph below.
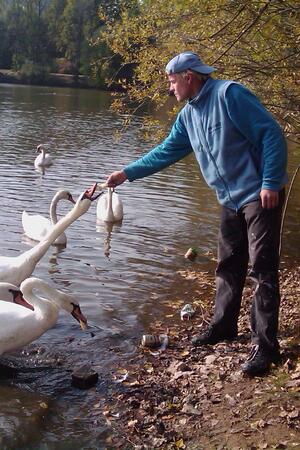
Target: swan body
x=21 y=326
x=14 y=269
x=110 y=207
x=38 y=227
x=11 y=293
x=43 y=159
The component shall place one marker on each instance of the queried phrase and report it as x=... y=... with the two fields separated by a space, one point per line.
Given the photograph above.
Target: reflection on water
x=106 y=230
x=118 y=273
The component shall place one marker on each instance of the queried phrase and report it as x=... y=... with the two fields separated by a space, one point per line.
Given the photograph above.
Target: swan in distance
x=11 y=293
x=37 y=227
x=43 y=159
x=15 y=269
x=110 y=207
x=21 y=326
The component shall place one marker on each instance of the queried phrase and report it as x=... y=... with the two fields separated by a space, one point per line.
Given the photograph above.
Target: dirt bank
x=186 y=398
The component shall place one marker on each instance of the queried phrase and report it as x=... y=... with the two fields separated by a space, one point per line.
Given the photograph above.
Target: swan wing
x=17 y=327
x=40 y=161
x=48 y=160
x=21 y=326
x=102 y=205
x=36 y=226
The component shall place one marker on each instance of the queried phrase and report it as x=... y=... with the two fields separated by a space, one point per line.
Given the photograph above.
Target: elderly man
x=242 y=155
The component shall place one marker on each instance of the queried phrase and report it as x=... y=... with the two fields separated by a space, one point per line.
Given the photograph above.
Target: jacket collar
x=203 y=91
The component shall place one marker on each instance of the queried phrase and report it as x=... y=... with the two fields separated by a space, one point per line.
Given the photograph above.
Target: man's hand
x=116 y=178
x=269 y=199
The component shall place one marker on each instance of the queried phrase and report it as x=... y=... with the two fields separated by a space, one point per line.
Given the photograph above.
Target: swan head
x=65 y=195
x=90 y=194
x=19 y=299
x=84 y=201
x=69 y=304
x=40 y=148
x=11 y=293
x=77 y=314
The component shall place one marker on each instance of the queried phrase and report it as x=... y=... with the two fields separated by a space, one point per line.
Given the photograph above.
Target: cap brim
x=203 y=69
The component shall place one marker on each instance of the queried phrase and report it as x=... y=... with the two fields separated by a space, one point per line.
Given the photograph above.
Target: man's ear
x=189 y=78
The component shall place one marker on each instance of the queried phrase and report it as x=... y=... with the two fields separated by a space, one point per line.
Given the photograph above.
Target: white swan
x=11 y=293
x=20 y=326
x=14 y=269
x=37 y=227
x=110 y=207
x=43 y=159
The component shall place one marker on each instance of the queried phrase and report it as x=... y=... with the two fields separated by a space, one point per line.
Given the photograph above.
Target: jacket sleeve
x=258 y=126
x=175 y=147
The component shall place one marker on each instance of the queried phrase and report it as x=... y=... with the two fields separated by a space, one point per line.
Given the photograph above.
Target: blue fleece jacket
x=238 y=144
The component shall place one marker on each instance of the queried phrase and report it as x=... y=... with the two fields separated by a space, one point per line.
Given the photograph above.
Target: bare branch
x=242 y=33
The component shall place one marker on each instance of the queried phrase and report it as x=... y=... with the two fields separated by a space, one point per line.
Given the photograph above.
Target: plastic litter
x=191 y=254
x=187 y=312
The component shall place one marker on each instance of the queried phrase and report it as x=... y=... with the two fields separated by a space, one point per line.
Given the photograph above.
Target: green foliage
x=254 y=42
x=43 y=32
x=33 y=73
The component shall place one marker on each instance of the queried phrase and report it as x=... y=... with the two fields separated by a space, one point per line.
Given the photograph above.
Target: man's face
x=180 y=86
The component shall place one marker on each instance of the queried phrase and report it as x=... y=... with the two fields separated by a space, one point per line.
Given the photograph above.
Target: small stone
x=84 y=377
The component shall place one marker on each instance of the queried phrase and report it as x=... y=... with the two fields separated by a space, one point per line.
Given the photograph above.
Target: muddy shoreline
x=187 y=398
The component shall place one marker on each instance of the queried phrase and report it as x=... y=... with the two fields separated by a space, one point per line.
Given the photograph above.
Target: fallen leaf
x=43 y=405
x=131 y=423
x=294 y=414
x=214 y=422
x=210 y=359
x=179 y=443
x=189 y=409
x=231 y=400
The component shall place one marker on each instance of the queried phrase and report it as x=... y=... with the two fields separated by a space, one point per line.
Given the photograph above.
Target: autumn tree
x=255 y=42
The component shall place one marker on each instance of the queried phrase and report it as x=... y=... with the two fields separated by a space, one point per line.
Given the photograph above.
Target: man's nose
x=171 y=92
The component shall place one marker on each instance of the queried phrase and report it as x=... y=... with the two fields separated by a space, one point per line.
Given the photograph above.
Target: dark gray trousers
x=249 y=235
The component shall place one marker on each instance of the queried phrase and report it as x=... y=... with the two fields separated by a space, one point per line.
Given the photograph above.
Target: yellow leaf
x=179 y=443
x=43 y=405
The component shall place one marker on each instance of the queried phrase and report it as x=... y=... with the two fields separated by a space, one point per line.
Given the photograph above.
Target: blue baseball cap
x=185 y=61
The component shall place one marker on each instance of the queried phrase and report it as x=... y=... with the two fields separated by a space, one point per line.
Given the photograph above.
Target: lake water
x=121 y=275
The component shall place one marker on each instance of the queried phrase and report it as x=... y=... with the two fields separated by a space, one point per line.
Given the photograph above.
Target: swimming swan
x=20 y=326
x=11 y=293
x=14 y=269
x=110 y=207
x=37 y=227
x=43 y=159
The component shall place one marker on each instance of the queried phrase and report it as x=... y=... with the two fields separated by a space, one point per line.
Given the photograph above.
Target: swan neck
x=50 y=295
x=43 y=153
x=109 y=203
x=53 y=210
x=39 y=304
